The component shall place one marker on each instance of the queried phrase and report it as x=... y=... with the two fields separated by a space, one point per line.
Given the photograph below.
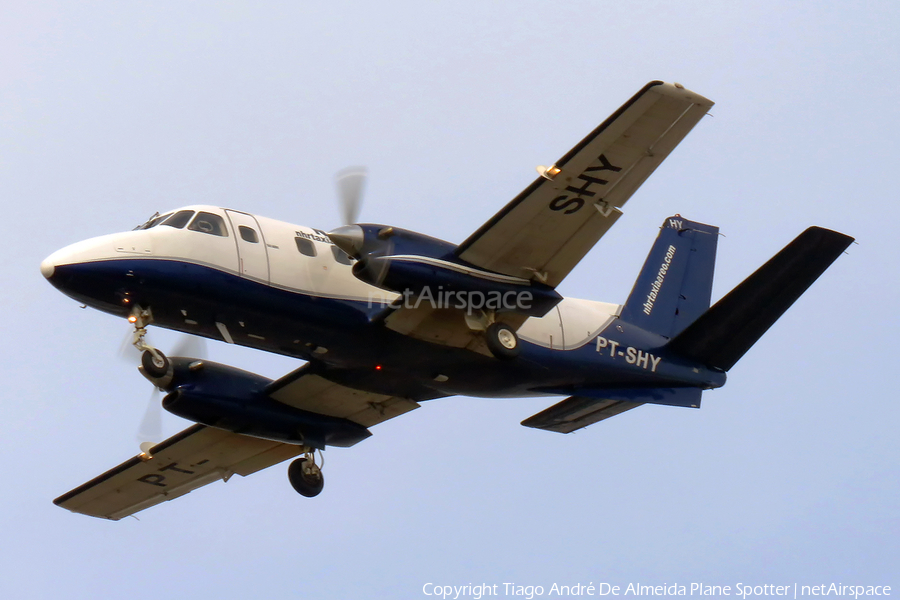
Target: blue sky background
x=110 y=111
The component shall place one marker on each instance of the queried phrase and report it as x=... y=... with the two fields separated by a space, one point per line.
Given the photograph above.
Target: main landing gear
x=306 y=476
x=502 y=341
x=500 y=338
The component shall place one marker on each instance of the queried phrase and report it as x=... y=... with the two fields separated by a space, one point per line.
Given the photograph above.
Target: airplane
x=386 y=318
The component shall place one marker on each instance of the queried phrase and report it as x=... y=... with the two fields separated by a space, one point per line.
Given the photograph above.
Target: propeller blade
x=151 y=425
x=150 y=430
x=190 y=346
x=350 y=183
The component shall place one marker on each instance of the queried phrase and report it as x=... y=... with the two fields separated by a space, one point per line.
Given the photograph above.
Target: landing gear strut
x=306 y=476
x=153 y=361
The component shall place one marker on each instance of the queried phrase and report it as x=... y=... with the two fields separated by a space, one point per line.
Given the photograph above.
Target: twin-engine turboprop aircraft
x=387 y=318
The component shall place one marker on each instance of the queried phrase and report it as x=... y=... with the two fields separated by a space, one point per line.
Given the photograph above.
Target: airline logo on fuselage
x=321 y=237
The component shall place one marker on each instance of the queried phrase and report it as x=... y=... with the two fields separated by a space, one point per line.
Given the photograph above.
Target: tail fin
x=675 y=284
x=721 y=336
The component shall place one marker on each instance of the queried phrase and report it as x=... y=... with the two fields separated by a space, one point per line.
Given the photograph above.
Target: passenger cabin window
x=248 y=234
x=341 y=256
x=179 y=219
x=209 y=223
x=305 y=246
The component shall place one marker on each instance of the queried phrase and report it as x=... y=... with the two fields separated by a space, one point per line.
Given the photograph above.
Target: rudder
x=674 y=286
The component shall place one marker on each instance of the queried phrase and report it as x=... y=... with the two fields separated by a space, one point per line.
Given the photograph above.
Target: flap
x=304 y=390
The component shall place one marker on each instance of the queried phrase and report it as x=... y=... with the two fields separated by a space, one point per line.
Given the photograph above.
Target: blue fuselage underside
x=348 y=344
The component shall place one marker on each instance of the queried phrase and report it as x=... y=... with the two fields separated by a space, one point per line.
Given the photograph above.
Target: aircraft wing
x=548 y=228
x=200 y=455
x=184 y=462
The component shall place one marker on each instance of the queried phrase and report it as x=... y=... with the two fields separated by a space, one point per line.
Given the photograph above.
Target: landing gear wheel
x=502 y=341
x=154 y=363
x=306 y=477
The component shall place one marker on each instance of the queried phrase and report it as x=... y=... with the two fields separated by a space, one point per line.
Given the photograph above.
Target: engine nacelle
x=426 y=269
x=234 y=400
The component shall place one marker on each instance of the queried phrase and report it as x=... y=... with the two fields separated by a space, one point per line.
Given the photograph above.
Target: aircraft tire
x=154 y=367
x=305 y=484
x=502 y=341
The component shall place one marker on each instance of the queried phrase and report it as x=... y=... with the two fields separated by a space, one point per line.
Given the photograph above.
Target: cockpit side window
x=209 y=223
x=179 y=219
x=341 y=256
x=305 y=246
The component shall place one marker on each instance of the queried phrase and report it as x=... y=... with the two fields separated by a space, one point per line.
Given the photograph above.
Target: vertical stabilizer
x=675 y=284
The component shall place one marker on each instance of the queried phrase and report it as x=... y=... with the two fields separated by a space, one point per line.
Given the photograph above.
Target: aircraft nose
x=48 y=267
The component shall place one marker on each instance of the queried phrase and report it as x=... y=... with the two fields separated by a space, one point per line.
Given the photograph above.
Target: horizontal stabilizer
x=576 y=412
x=721 y=335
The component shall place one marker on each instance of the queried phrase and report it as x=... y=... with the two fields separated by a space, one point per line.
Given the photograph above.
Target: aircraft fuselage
x=288 y=289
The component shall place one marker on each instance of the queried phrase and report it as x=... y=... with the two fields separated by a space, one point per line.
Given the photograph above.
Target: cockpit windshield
x=205 y=222
x=153 y=221
x=179 y=219
x=173 y=219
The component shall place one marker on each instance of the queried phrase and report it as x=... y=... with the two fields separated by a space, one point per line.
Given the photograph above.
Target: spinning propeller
x=351 y=238
x=350 y=183
x=150 y=430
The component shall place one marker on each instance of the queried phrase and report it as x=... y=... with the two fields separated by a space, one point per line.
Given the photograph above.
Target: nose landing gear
x=306 y=476
x=153 y=361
